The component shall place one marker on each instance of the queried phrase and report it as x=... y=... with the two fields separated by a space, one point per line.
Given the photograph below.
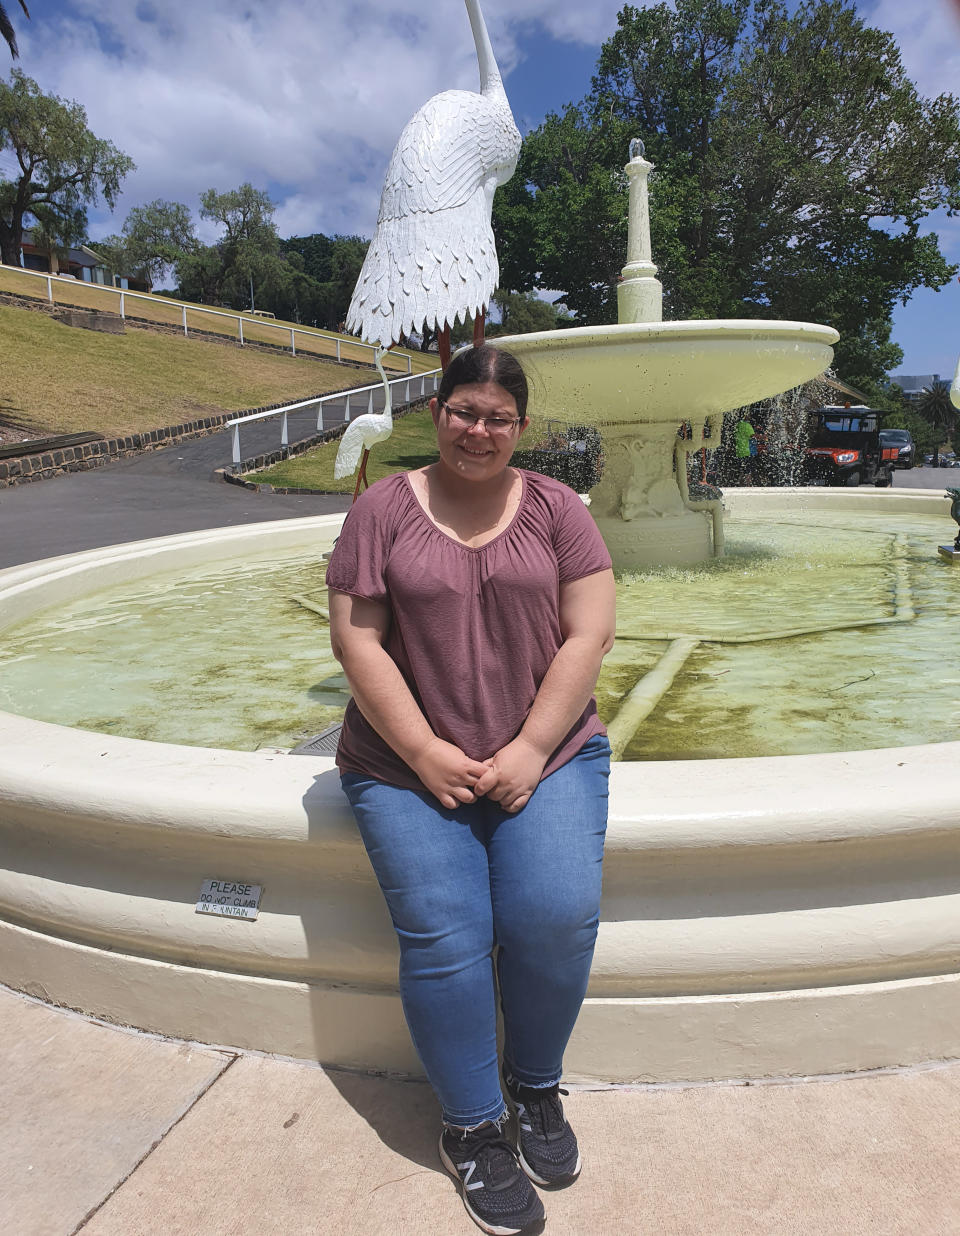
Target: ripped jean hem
x=511 y=1079
x=460 y=1126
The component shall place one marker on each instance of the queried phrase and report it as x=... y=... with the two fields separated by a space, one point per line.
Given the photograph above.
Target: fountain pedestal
x=638 y=505
x=638 y=383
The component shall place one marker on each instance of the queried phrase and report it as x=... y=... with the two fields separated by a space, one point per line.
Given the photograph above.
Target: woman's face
x=477 y=450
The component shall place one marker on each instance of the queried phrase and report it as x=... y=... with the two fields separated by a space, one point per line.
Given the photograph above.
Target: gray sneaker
x=548 y=1148
x=497 y=1195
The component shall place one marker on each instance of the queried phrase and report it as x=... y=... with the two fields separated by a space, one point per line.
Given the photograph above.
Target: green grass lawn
x=413 y=444
x=61 y=379
x=169 y=310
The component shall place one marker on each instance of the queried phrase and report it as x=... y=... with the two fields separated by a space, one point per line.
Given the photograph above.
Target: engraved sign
x=230 y=899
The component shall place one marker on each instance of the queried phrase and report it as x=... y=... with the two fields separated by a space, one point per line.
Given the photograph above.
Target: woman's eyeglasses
x=493 y=424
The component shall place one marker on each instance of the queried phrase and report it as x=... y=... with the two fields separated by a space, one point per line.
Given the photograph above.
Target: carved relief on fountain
x=637 y=481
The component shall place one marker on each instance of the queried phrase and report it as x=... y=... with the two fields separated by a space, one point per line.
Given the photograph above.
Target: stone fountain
x=788 y=915
x=640 y=380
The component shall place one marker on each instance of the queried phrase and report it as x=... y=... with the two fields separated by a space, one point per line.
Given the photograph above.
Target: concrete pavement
x=115 y=1133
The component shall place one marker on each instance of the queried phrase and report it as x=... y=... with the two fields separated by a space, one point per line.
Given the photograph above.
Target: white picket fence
x=359 y=395
x=332 y=345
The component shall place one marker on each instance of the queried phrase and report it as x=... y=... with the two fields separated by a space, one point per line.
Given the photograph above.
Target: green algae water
x=810 y=635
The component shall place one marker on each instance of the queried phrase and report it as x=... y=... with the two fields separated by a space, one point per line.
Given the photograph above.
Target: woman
x=470 y=606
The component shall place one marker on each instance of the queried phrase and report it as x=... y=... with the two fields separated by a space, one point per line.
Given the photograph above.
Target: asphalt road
x=157 y=493
x=926 y=478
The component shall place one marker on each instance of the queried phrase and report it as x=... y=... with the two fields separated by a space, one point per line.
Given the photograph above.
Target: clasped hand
x=508 y=777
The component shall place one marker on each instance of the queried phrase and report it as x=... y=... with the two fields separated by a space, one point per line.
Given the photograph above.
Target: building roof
x=77 y=257
x=914 y=382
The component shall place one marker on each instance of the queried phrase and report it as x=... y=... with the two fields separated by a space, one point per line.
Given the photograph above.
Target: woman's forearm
x=383 y=697
x=564 y=692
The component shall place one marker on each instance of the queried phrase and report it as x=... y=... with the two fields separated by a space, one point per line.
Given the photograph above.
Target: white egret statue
x=363 y=433
x=432 y=260
x=955 y=388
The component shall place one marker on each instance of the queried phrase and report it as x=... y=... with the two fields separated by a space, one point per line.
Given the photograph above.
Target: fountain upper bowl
x=645 y=372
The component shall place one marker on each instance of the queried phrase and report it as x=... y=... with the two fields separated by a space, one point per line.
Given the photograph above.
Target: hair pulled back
x=486 y=364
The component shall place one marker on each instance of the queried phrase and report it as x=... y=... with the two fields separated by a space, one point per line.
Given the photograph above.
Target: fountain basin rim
x=687 y=331
x=133 y=779
x=109 y=838
x=118 y=784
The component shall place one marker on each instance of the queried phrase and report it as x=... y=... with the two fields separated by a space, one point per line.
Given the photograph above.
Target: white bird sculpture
x=432 y=260
x=955 y=388
x=364 y=432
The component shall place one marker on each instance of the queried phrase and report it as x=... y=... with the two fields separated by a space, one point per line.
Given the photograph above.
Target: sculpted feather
x=432 y=261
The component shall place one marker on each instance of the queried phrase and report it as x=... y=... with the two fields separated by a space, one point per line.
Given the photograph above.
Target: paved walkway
x=157 y=493
x=115 y=1133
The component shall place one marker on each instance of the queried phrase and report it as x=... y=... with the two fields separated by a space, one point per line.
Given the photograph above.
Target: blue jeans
x=460 y=883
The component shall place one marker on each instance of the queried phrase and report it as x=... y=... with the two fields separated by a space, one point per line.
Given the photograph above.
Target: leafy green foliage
x=64 y=167
x=306 y=279
x=522 y=313
x=795 y=163
x=157 y=235
x=569 y=453
x=333 y=265
x=7 y=32
x=245 y=262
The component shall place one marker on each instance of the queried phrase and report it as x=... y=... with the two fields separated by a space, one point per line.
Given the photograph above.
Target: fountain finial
x=639 y=293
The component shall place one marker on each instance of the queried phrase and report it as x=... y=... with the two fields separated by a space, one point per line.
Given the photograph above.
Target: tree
x=331 y=265
x=157 y=235
x=522 y=313
x=561 y=221
x=7 y=31
x=63 y=166
x=936 y=408
x=315 y=252
x=795 y=163
x=200 y=275
x=245 y=214
x=249 y=248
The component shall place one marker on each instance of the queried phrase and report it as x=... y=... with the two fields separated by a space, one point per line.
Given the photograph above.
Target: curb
x=25 y=468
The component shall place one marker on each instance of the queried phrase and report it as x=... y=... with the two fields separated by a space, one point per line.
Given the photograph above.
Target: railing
x=432 y=376
x=258 y=329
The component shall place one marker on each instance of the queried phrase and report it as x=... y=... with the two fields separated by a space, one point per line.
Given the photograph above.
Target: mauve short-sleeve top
x=473 y=631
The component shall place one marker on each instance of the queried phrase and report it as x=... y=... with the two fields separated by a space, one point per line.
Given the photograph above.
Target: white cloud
x=306 y=96
x=928 y=34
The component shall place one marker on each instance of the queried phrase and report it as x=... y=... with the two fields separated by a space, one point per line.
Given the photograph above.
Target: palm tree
x=6 y=28
x=936 y=407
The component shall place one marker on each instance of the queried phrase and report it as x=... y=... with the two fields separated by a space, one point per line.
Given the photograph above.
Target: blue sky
x=307 y=97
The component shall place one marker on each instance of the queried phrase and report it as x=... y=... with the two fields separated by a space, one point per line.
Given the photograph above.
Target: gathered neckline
x=473 y=549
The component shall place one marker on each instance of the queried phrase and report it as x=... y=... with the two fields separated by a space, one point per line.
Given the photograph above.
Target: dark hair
x=486 y=364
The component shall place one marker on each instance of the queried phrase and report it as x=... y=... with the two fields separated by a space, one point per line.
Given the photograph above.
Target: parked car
x=901 y=439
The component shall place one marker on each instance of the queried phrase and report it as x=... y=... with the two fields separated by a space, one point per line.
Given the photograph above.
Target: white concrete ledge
x=761 y=917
